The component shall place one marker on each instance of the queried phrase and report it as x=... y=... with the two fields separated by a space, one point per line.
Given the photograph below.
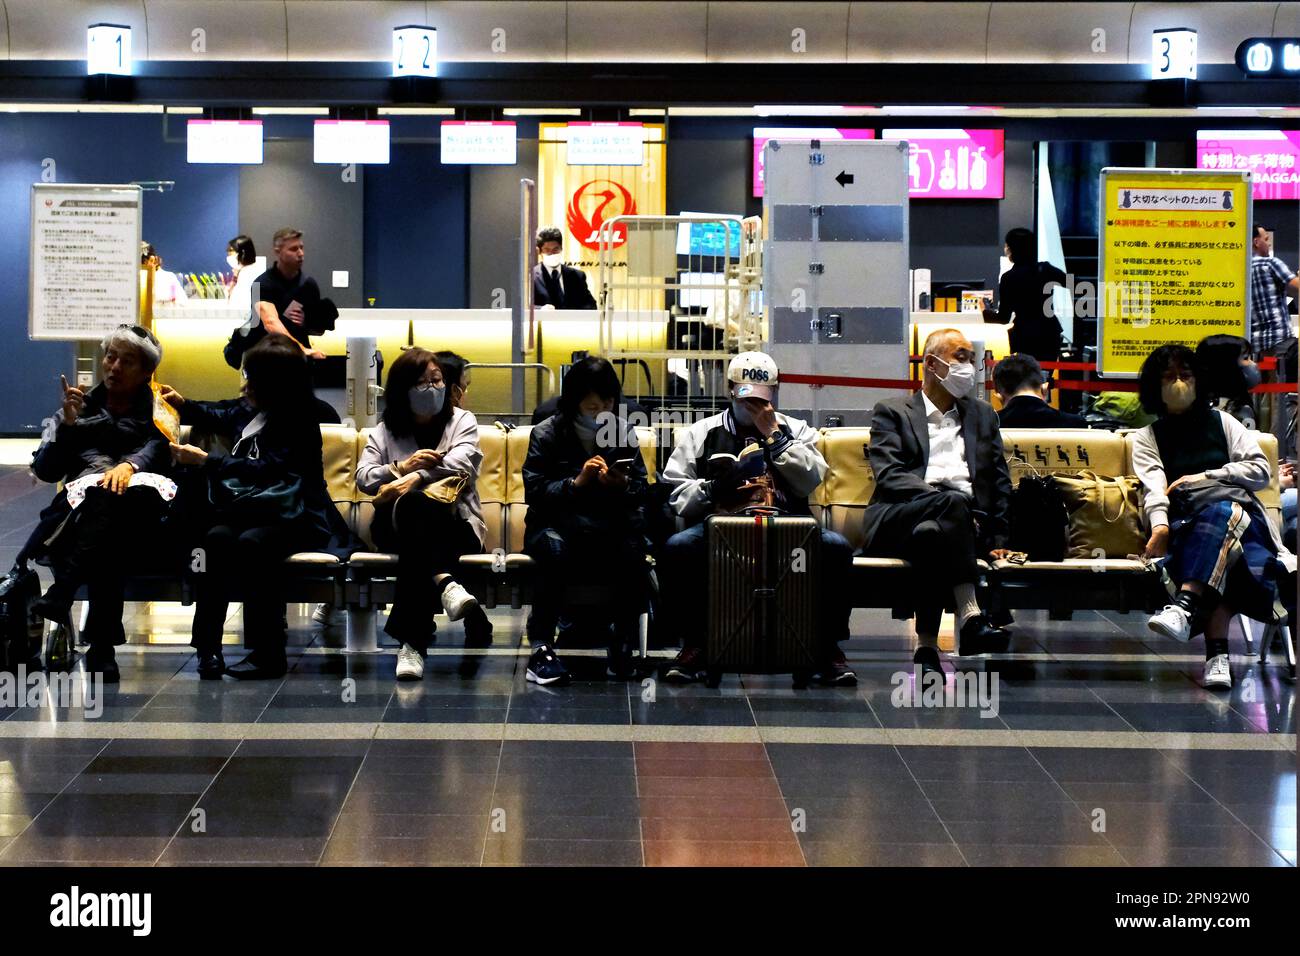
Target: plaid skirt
x=1230 y=549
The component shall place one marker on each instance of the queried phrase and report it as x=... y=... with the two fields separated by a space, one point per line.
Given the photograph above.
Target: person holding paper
x=104 y=446
x=555 y=285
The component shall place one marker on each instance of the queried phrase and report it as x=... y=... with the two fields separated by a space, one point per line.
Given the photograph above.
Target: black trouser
x=429 y=539
x=108 y=537
x=586 y=575
x=935 y=532
x=683 y=574
x=245 y=563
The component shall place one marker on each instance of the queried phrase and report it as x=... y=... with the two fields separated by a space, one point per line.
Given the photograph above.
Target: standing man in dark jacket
x=556 y=285
x=108 y=432
x=942 y=494
x=1025 y=299
x=587 y=494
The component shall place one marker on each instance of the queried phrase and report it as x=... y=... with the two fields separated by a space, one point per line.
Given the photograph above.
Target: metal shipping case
x=835 y=264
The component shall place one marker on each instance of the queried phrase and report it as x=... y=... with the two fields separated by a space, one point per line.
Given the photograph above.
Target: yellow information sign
x=1175 y=261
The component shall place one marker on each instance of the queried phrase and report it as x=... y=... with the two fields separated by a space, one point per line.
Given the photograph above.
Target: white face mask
x=233 y=261
x=960 y=380
x=553 y=261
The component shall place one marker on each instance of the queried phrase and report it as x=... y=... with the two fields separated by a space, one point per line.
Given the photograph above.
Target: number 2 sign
x=415 y=51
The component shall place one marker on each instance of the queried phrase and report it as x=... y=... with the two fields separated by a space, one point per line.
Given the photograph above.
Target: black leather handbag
x=1039 y=519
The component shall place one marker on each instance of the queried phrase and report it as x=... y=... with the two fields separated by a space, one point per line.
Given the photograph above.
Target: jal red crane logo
x=610 y=199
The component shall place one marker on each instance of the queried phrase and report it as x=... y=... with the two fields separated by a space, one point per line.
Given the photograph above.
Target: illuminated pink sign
x=801 y=133
x=1272 y=157
x=952 y=163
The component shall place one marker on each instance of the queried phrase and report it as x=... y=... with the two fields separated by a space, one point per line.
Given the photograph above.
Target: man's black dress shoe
x=929 y=660
x=253 y=667
x=103 y=661
x=211 y=666
x=978 y=636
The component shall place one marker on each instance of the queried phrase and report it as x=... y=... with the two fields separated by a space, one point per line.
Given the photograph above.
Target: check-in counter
x=194 y=335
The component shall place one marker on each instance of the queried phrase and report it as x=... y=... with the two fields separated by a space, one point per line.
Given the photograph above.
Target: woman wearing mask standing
x=422 y=440
x=1199 y=467
x=241 y=257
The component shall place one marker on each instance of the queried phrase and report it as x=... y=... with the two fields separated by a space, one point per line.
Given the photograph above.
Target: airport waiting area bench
x=501 y=575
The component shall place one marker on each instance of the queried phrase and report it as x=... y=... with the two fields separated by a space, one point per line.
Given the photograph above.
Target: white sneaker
x=410 y=663
x=327 y=615
x=1173 y=622
x=456 y=601
x=1217 y=673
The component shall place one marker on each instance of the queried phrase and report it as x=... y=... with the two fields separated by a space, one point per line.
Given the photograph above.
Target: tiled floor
x=1103 y=751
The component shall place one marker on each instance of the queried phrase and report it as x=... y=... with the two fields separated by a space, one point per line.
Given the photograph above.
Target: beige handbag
x=1105 y=514
x=446 y=490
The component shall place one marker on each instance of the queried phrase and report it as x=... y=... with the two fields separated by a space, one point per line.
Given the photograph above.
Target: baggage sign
x=1174 y=261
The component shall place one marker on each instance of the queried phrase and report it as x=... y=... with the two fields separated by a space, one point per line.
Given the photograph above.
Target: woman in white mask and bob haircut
x=422 y=439
x=1200 y=469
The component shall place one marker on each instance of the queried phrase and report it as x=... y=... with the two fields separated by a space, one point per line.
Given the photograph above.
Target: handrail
x=550 y=372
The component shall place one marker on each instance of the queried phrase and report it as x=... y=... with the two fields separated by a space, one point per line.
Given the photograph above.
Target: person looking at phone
x=587 y=494
x=424 y=438
x=108 y=431
x=711 y=474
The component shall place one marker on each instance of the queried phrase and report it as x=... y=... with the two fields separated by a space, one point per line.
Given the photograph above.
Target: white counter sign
x=605 y=144
x=85 y=260
x=482 y=143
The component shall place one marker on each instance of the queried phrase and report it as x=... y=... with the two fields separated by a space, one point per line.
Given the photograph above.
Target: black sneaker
x=687 y=667
x=545 y=668
x=836 y=672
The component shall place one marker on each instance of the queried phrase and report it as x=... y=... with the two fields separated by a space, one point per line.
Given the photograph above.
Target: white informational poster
x=85 y=260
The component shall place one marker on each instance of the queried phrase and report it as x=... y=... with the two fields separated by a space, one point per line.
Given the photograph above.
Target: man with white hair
x=942 y=495
x=785 y=470
x=103 y=519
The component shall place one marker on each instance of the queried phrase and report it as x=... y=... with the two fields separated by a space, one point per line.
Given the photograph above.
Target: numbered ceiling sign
x=1173 y=54
x=108 y=49
x=1174 y=261
x=415 y=51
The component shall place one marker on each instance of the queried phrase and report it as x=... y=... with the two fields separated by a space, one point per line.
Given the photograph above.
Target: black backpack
x=21 y=629
x=1039 y=519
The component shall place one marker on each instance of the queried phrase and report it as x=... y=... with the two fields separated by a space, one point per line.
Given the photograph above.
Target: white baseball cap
x=754 y=374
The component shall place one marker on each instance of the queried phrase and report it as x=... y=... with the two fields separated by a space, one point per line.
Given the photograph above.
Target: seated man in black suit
x=556 y=285
x=942 y=494
x=1022 y=386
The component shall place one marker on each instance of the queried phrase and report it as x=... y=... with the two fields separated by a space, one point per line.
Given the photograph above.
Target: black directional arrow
x=844 y=178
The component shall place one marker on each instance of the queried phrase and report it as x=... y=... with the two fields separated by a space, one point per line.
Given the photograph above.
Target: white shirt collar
x=931 y=408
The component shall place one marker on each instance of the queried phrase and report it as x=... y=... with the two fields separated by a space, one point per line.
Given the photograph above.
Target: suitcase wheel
x=800 y=680
x=712 y=679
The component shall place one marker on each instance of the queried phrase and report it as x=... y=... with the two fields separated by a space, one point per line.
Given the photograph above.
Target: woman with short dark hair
x=94 y=533
x=586 y=488
x=268 y=498
x=424 y=440
x=1199 y=467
